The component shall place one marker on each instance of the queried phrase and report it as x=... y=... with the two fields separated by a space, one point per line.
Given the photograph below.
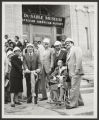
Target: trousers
x=28 y=84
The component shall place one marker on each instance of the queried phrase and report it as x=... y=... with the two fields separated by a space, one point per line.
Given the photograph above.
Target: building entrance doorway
x=35 y=32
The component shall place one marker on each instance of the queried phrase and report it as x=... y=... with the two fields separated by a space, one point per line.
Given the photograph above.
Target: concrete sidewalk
x=43 y=108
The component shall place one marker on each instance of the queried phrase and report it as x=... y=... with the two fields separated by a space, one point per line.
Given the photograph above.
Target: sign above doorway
x=36 y=19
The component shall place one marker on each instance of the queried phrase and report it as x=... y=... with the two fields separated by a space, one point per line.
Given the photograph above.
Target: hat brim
x=29 y=46
x=17 y=50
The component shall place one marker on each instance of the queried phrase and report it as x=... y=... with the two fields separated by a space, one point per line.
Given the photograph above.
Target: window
x=86 y=28
x=59 y=30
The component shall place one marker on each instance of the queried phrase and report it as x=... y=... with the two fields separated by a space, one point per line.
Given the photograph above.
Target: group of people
x=57 y=68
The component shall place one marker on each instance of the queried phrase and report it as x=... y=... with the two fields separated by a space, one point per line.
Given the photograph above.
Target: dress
x=16 y=75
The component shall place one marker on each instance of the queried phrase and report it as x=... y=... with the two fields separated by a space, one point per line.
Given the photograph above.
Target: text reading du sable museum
x=42 y=20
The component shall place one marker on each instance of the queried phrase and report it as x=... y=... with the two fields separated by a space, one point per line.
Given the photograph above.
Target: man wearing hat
x=47 y=65
x=31 y=62
x=59 y=53
x=74 y=62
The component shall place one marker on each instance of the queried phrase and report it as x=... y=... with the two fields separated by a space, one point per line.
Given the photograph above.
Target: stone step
x=87 y=86
x=86 y=113
x=86 y=90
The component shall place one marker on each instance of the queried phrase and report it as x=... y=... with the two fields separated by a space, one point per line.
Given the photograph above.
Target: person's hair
x=17 y=37
x=52 y=46
x=6 y=36
x=39 y=41
x=72 y=42
x=9 y=40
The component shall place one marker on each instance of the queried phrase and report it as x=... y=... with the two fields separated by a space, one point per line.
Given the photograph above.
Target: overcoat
x=16 y=75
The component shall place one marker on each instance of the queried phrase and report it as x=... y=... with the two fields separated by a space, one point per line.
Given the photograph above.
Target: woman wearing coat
x=16 y=76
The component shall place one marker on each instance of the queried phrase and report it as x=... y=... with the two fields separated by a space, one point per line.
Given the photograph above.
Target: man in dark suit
x=31 y=62
x=17 y=42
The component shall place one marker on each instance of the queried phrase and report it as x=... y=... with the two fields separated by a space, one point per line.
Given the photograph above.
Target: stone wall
x=81 y=19
x=13 y=20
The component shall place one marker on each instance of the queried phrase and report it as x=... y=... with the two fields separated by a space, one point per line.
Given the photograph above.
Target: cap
x=69 y=40
x=9 y=53
x=29 y=44
x=57 y=43
x=16 y=48
x=46 y=40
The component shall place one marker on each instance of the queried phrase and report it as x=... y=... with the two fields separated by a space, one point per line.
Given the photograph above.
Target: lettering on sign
x=43 y=20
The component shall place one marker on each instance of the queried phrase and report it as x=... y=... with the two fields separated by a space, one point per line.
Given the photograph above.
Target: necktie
x=30 y=56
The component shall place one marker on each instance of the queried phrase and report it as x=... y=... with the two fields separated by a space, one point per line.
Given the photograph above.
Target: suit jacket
x=31 y=63
x=74 y=60
x=62 y=55
x=47 y=60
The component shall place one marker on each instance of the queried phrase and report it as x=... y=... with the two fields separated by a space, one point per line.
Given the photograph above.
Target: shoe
x=18 y=103
x=81 y=104
x=35 y=100
x=68 y=107
x=43 y=99
x=29 y=100
x=12 y=105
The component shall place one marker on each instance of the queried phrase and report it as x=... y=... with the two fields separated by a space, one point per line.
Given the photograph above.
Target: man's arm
x=24 y=63
x=52 y=58
x=39 y=63
x=78 y=54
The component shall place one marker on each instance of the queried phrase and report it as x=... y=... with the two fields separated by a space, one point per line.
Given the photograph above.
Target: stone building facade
x=79 y=24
